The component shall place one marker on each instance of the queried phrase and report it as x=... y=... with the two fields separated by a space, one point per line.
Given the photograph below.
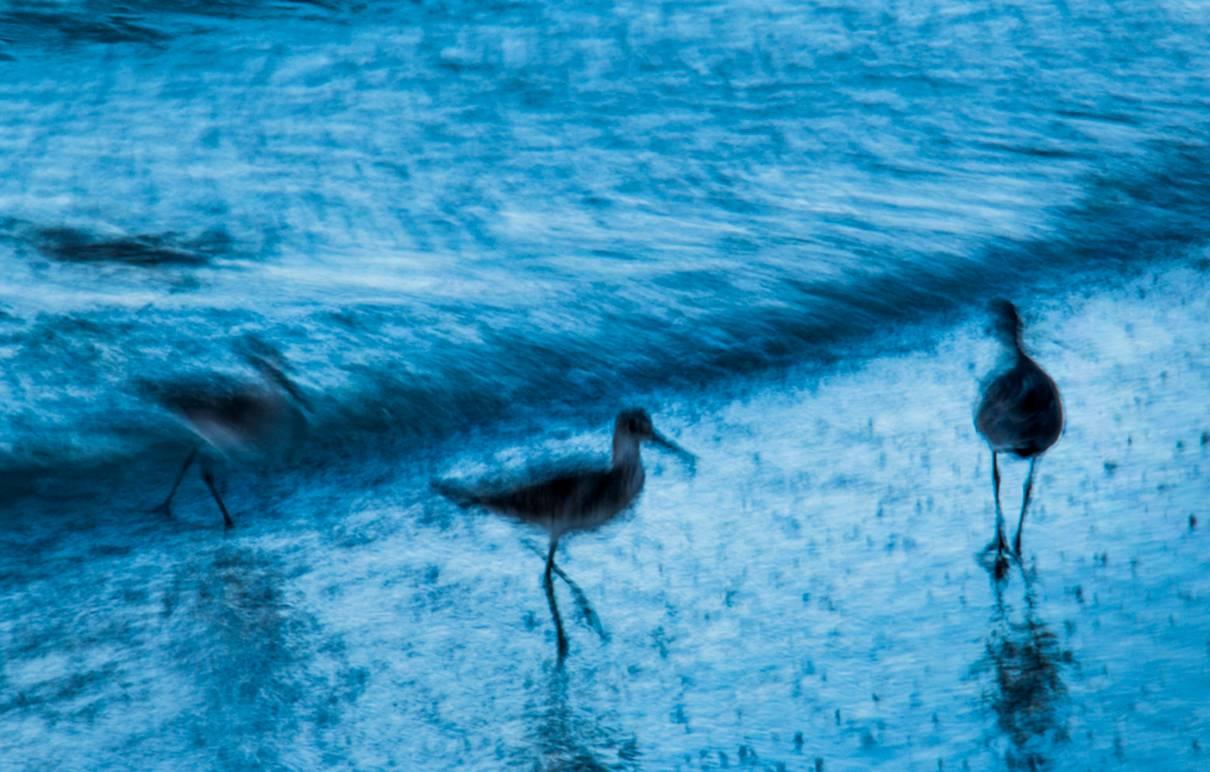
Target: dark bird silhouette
x=1020 y=413
x=235 y=420
x=573 y=501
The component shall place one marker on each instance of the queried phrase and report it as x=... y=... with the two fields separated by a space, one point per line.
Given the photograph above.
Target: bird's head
x=634 y=425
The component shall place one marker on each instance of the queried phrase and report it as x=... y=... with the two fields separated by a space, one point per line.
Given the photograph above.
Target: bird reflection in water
x=264 y=670
x=1026 y=691
x=568 y=739
x=236 y=646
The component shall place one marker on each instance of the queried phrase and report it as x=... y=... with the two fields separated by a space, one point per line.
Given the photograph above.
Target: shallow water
x=477 y=231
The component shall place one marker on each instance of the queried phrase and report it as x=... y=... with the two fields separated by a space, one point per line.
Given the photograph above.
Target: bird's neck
x=625 y=450
x=1013 y=354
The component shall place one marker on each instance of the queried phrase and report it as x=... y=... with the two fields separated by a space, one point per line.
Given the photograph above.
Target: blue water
x=442 y=211
x=478 y=229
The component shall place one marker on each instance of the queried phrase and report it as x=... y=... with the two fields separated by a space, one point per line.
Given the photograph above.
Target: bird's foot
x=994 y=558
x=1000 y=567
x=163 y=508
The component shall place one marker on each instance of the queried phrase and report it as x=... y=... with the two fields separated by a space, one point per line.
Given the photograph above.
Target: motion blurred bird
x=578 y=500
x=1020 y=413
x=235 y=420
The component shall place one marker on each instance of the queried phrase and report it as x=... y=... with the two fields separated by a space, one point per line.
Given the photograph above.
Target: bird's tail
x=456 y=493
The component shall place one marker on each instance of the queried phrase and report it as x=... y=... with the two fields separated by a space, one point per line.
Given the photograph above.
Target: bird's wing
x=567 y=492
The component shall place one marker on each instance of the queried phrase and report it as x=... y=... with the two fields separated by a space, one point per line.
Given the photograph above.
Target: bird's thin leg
x=579 y=596
x=1029 y=486
x=1001 y=542
x=208 y=476
x=166 y=506
x=550 y=598
x=1001 y=564
x=590 y=617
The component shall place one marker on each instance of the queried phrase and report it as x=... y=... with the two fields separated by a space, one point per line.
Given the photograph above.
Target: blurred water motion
x=445 y=212
x=478 y=230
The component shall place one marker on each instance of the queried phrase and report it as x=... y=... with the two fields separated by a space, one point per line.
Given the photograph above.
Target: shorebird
x=579 y=500
x=1020 y=413
x=234 y=419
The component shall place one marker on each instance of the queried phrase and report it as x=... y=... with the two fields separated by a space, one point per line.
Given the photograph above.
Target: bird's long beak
x=668 y=444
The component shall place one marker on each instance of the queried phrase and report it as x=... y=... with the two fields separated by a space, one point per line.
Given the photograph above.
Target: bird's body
x=243 y=420
x=1020 y=413
x=579 y=500
x=234 y=420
